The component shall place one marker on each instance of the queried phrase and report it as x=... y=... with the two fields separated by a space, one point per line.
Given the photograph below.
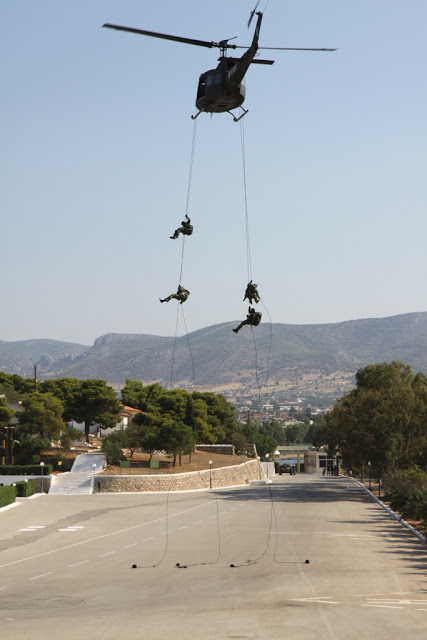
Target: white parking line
x=40 y=576
x=130 y=545
x=107 y=554
x=2 y=588
x=77 y=563
x=147 y=539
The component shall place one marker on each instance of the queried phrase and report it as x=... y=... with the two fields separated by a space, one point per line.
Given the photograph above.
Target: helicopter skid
x=245 y=111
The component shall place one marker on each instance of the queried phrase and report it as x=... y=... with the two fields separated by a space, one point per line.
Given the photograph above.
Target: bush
x=407 y=493
x=25 y=470
x=113 y=451
x=25 y=489
x=7 y=496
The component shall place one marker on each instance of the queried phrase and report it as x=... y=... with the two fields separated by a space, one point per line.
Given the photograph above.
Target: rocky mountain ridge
x=297 y=359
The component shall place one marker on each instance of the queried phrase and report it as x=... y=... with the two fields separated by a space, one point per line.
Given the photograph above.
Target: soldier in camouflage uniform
x=181 y=295
x=253 y=318
x=251 y=293
x=186 y=229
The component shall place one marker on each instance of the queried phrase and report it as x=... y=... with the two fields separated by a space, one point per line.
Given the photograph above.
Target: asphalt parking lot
x=66 y=565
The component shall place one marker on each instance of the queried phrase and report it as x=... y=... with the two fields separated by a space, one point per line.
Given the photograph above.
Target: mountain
x=21 y=356
x=314 y=360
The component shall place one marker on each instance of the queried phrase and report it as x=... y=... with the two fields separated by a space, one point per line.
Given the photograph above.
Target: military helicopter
x=222 y=89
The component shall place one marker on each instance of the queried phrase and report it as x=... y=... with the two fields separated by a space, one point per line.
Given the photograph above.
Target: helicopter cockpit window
x=209 y=79
x=218 y=77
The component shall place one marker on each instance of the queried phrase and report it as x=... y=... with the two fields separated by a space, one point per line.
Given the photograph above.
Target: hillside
x=301 y=359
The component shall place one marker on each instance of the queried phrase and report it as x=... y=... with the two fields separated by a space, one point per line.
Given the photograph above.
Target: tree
x=63 y=388
x=145 y=398
x=143 y=432
x=6 y=413
x=264 y=444
x=295 y=433
x=383 y=421
x=177 y=438
x=220 y=415
x=93 y=401
x=42 y=415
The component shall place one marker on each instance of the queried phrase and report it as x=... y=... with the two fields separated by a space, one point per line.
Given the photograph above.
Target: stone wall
x=224 y=477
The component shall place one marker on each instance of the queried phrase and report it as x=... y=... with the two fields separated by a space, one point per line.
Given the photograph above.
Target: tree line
x=172 y=421
x=380 y=428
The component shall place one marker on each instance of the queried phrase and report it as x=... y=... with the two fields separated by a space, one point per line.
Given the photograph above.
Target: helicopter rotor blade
x=239 y=46
x=164 y=36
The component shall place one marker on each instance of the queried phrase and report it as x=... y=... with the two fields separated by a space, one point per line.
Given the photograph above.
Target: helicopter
x=222 y=89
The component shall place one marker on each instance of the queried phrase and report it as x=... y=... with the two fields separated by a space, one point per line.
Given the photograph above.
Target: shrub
x=7 y=496
x=113 y=451
x=25 y=489
x=25 y=470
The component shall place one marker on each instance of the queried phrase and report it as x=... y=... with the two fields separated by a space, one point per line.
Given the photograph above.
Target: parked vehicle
x=281 y=466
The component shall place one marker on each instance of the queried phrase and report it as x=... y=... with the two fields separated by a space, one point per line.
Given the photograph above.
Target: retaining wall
x=196 y=480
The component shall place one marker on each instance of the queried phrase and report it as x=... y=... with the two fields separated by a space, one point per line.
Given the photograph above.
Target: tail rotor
x=252 y=14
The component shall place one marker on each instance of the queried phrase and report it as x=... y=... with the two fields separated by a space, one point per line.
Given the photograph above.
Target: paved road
x=66 y=566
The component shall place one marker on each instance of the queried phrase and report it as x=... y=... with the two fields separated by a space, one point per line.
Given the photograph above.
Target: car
x=281 y=466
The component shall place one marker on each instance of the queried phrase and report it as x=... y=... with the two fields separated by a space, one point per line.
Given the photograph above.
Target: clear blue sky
x=95 y=151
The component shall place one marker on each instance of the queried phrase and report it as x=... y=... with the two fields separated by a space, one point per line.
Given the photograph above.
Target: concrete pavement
x=66 y=565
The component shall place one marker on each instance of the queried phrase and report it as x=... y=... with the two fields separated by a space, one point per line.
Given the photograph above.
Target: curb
x=394 y=515
x=10 y=506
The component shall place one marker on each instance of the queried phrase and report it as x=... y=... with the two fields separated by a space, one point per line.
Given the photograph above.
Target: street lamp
x=259 y=466
x=210 y=474
x=369 y=465
x=41 y=471
x=267 y=455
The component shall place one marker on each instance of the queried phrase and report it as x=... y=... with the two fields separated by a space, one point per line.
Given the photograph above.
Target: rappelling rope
x=193 y=146
x=174 y=345
x=248 y=242
x=189 y=346
x=256 y=370
x=269 y=353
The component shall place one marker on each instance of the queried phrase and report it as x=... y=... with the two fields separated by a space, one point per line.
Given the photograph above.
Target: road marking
x=2 y=588
x=105 y=535
x=77 y=563
x=381 y=606
x=40 y=576
x=130 y=545
x=147 y=539
x=395 y=601
x=185 y=527
x=199 y=522
x=107 y=554
x=321 y=600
